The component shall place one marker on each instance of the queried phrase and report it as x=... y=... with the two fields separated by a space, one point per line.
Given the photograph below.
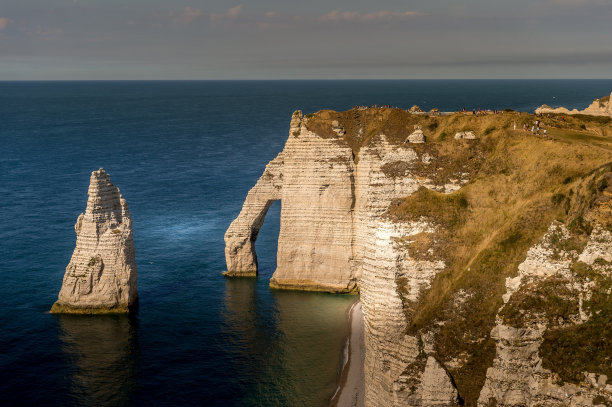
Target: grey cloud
x=3 y=23
x=353 y=16
x=572 y=59
x=230 y=14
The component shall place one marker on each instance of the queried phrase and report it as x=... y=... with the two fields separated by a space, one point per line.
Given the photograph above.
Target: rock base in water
x=59 y=308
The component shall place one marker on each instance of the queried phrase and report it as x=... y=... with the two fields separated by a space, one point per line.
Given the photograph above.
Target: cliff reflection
x=314 y=328
x=291 y=343
x=102 y=350
x=240 y=315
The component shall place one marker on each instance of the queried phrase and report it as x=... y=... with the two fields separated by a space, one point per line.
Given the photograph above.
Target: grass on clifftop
x=518 y=187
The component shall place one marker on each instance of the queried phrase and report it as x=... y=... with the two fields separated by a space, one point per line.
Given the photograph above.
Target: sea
x=184 y=154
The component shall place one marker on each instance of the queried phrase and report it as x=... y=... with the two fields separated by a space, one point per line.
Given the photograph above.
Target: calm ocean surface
x=184 y=155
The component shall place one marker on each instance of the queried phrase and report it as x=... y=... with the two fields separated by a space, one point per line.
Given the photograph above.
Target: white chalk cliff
x=101 y=276
x=331 y=204
x=312 y=177
x=337 y=234
x=333 y=232
x=599 y=107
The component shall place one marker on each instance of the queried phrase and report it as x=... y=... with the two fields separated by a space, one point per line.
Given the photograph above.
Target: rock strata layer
x=101 y=276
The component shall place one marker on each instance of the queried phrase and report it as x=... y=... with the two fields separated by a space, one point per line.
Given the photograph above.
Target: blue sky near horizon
x=274 y=39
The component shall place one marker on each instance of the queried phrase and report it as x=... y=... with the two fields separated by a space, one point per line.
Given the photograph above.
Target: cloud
x=230 y=14
x=234 y=11
x=189 y=15
x=3 y=23
x=273 y=21
x=446 y=60
x=576 y=2
x=382 y=15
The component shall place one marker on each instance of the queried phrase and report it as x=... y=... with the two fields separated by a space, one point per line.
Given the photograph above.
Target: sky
x=315 y=39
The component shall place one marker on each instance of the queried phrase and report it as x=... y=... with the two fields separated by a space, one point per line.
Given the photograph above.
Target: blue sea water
x=184 y=155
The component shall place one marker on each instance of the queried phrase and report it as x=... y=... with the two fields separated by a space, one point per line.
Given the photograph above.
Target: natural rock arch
x=313 y=177
x=240 y=237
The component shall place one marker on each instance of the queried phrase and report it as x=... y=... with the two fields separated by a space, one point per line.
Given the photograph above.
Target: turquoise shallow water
x=184 y=155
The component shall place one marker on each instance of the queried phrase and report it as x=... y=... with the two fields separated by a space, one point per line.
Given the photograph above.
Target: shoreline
x=351 y=389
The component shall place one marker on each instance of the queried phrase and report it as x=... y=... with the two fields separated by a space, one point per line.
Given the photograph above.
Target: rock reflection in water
x=241 y=313
x=290 y=343
x=314 y=330
x=102 y=351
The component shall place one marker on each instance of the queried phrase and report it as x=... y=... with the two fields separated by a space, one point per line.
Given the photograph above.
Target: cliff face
x=599 y=107
x=101 y=275
x=313 y=178
x=332 y=198
x=434 y=235
x=568 y=279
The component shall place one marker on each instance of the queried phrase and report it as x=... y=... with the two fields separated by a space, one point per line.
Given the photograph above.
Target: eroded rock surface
x=518 y=376
x=417 y=136
x=467 y=135
x=102 y=275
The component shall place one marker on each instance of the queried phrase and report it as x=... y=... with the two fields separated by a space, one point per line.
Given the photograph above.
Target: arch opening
x=265 y=241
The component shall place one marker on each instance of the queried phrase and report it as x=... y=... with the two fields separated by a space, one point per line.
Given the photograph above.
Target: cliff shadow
x=102 y=352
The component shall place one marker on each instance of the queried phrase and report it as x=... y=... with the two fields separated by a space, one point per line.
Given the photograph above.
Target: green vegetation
x=551 y=300
x=569 y=351
x=557 y=199
x=59 y=308
x=563 y=244
x=447 y=209
x=396 y=169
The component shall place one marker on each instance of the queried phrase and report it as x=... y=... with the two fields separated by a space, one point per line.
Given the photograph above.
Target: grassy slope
x=510 y=204
x=520 y=183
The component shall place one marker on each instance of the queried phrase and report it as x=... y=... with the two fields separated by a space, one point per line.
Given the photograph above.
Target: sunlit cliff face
x=435 y=235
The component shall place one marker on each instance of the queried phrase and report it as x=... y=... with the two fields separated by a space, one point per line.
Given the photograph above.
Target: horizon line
x=304 y=79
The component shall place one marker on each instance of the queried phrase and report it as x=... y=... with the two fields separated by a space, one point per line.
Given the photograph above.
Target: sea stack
x=101 y=275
